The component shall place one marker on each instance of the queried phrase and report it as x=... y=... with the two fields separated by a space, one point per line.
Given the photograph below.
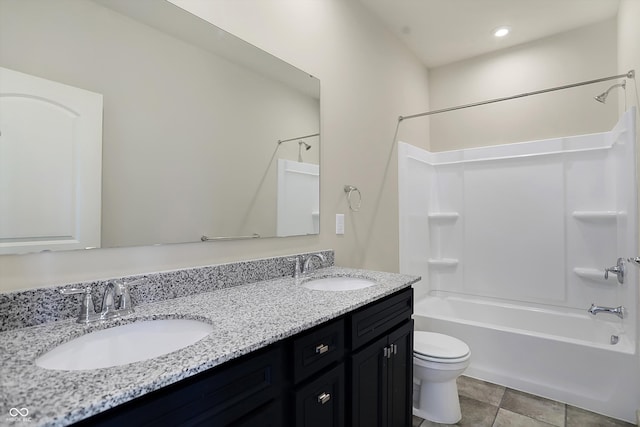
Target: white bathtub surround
x=512 y=242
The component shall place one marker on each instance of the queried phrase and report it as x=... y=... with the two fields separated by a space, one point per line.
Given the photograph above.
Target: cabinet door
x=321 y=402
x=268 y=416
x=400 y=376
x=369 y=385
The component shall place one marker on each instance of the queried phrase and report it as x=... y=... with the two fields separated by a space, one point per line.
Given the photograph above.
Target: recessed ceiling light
x=501 y=31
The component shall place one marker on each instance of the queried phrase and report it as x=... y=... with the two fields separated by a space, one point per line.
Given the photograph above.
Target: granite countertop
x=244 y=318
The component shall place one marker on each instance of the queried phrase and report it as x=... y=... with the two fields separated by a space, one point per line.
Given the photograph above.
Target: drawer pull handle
x=324 y=398
x=322 y=348
x=387 y=352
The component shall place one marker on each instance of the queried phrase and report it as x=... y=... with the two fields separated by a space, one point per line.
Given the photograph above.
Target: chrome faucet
x=305 y=267
x=301 y=266
x=87 y=312
x=297 y=268
x=618 y=311
x=122 y=290
x=110 y=309
x=618 y=269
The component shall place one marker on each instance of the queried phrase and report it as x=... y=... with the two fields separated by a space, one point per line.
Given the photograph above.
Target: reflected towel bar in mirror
x=280 y=141
x=208 y=239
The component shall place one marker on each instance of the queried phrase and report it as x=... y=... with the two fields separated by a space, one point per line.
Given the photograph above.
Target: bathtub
x=561 y=355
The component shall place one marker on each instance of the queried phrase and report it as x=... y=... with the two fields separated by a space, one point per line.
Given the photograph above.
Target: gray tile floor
x=489 y=405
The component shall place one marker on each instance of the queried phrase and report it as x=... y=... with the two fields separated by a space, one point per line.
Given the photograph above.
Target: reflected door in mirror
x=50 y=164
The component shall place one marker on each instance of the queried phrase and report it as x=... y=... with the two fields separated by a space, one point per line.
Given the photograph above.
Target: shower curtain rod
x=280 y=141
x=630 y=75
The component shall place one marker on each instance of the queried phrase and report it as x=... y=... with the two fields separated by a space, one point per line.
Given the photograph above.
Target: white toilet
x=438 y=360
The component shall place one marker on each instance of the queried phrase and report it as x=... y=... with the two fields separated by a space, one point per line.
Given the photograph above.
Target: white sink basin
x=124 y=344
x=337 y=284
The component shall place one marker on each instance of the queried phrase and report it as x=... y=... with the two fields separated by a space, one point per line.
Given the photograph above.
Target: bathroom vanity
x=354 y=370
x=279 y=354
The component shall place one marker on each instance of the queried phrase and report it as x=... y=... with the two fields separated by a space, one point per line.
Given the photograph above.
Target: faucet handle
x=634 y=260
x=122 y=290
x=87 y=311
x=74 y=291
x=297 y=269
x=134 y=282
x=618 y=269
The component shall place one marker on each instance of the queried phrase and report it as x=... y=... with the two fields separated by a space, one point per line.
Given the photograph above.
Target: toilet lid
x=440 y=346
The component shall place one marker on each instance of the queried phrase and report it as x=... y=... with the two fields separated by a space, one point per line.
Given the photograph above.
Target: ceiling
x=445 y=31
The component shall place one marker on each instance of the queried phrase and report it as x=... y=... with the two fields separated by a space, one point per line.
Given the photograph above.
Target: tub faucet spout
x=618 y=311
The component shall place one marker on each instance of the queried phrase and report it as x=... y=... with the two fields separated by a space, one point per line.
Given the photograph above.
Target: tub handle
x=618 y=269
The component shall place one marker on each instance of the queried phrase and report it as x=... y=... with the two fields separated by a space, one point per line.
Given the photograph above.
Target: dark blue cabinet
x=355 y=370
x=381 y=364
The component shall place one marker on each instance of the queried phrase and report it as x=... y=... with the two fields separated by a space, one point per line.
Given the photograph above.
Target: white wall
x=368 y=78
x=629 y=43
x=579 y=55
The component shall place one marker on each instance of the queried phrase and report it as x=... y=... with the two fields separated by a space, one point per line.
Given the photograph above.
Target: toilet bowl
x=438 y=360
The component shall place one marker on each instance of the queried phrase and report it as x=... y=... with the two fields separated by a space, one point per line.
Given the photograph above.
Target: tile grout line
x=499 y=407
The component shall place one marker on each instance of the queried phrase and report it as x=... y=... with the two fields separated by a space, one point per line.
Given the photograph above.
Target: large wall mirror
x=193 y=133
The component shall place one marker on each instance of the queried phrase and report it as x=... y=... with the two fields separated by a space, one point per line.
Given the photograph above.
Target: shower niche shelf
x=594 y=275
x=443 y=216
x=596 y=216
x=443 y=262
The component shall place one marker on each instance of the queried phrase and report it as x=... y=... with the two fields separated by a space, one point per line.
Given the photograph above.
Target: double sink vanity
x=248 y=345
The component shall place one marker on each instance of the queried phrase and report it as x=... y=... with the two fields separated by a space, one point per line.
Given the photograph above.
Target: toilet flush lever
x=618 y=269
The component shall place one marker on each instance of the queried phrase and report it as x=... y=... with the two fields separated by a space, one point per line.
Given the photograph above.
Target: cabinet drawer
x=218 y=397
x=321 y=403
x=376 y=319
x=317 y=349
x=268 y=416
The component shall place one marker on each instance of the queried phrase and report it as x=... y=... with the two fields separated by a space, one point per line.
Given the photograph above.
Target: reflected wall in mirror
x=192 y=117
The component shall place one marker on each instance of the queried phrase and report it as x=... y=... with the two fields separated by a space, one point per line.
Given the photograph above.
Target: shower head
x=603 y=96
x=306 y=146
